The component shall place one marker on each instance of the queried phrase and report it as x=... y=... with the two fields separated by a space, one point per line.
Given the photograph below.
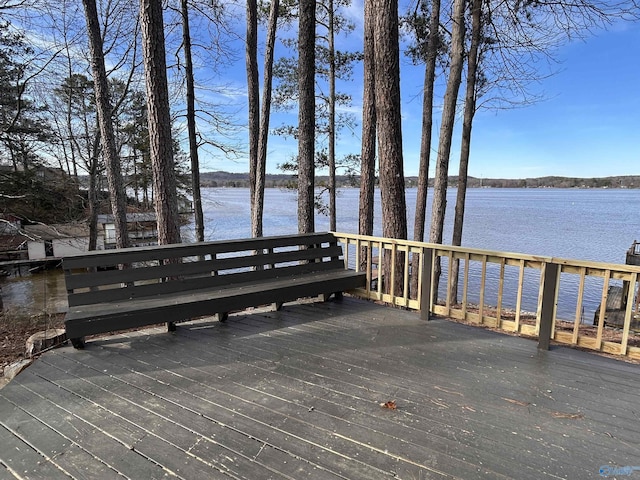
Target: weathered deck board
x=22 y=458
x=178 y=406
x=61 y=452
x=148 y=413
x=377 y=367
x=353 y=389
x=296 y=394
x=276 y=410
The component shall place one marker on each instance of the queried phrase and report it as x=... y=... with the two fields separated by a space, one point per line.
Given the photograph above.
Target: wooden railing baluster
x=578 y=320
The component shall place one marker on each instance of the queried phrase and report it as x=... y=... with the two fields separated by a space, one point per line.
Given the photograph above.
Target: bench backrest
x=115 y=275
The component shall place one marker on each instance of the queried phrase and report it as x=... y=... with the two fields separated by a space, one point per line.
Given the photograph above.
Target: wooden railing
x=587 y=304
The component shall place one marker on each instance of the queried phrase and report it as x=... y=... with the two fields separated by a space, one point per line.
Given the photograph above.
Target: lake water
x=597 y=225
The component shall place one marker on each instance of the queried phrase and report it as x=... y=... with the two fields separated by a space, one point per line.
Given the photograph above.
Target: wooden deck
x=297 y=394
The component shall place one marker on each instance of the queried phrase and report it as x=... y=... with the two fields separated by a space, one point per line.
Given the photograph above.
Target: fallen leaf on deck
x=391 y=405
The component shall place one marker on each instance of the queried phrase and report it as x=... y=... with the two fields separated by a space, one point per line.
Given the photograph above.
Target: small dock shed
x=58 y=240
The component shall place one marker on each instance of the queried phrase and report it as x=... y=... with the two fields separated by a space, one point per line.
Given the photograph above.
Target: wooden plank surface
x=297 y=394
x=21 y=459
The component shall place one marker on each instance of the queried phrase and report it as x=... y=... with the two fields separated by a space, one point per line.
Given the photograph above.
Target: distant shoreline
x=241 y=180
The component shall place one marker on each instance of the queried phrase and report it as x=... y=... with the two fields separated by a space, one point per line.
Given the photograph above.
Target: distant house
x=56 y=241
x=143 y=229
x=51 y=174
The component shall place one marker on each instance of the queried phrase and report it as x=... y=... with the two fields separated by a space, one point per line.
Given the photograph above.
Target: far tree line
x=285 y=181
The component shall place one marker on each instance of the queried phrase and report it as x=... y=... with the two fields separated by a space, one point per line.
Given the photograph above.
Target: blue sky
x=586 y=125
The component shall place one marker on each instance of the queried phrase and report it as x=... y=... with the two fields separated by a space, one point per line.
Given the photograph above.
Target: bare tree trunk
x=136 y=181
x=387 y=71
x=332 y=117
x=425 y=144
x=159 y=120
x=69 y=123
x=467 y=121
x=368 y=156
x=261 y=164
x=253 y=94
x=191 y=125
x=439 y=205
x=92 y=197
x=112 y=161
x=145 y=195
x=306 y=115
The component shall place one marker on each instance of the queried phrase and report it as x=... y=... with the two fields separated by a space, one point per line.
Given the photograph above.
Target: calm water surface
x=597 y=225
x=34 y=293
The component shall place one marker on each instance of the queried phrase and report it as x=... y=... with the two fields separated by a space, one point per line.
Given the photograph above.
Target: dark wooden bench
x=112 y=290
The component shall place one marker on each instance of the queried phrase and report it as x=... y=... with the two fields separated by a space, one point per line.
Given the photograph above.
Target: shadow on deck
x=297 y=394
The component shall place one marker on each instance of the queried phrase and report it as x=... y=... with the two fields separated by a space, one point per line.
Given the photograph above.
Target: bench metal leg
x=78 y=343
x=278 y=306
x=327 y=296
x=222 y=317
x=171 y=327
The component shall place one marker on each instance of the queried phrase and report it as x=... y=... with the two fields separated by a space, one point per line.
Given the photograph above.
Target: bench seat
x=179 y=282
x=88 y=319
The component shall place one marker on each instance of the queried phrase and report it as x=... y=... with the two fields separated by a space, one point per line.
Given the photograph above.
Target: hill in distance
x=241 y=180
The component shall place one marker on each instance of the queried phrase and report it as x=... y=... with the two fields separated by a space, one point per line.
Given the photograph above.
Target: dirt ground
x=16 y=328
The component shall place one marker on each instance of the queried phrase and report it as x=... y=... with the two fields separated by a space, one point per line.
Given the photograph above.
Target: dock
x=633 y=254
x=337 y=390
x=615 y=306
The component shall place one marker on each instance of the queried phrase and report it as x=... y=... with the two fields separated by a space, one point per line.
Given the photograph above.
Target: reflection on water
x=34 y=293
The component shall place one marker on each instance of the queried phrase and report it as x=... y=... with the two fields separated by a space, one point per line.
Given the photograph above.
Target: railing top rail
x=437 y=246
x=618 y=267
